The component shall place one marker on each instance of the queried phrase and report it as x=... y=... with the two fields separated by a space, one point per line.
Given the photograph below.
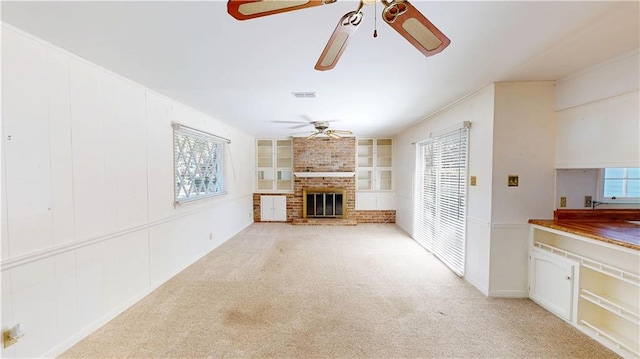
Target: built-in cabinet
x=375 y=164
x=552 y=282
x=273 y=208
x=274 y=162
x=591 y=284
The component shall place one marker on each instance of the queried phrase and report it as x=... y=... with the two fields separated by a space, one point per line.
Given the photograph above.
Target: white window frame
x=197 y=155
x=601 y=197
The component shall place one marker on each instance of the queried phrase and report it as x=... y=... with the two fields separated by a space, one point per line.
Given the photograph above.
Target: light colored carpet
x=369 y=291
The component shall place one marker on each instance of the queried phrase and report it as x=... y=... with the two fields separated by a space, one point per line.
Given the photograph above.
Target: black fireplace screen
x=324 y=205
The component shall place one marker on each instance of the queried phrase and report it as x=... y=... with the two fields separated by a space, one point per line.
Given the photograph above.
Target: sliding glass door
x=440 y=196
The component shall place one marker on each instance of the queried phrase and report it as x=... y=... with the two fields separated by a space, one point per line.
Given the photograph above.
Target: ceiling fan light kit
x=401 y=15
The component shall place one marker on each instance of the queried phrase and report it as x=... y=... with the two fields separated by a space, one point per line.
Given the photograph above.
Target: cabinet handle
x=567 y=278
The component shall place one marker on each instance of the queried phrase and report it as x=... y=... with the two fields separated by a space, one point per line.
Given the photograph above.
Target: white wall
x=512 y=133
x=590 y=120
x=523 y=145
x=599 y=116
x=88 y=223
x=478 y=109
x=575 y=184
x=618 y=76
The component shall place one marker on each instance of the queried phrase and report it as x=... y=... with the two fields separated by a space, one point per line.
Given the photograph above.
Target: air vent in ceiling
x=304 y=94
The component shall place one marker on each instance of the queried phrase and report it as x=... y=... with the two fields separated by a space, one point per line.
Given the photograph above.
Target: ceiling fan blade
x=299 y=126
x=413 y=26
x=250 y=9
x=332 y=134
x=338 y=41
x=313 y=135
x=342 y=131
x=296 y=122
x=299 y=134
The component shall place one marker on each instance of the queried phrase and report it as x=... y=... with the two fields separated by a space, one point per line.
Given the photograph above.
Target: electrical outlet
x=563 y=201
x=587 y=201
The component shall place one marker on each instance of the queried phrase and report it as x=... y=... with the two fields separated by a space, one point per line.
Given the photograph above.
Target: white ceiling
x=243 y=72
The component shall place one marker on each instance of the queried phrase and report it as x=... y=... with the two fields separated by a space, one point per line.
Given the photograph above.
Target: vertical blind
x=440 y=196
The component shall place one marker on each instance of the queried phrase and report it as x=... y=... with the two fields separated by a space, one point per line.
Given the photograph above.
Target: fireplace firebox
x=324 y=203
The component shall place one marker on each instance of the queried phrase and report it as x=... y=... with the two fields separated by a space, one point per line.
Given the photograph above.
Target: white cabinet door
x=273 y=208
x=551 y=282
x=279 y=208
x=375 y=201
x=266 y=208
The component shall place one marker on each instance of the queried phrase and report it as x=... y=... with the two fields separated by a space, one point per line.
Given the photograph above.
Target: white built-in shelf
x=612 y=306
x=324 y=174
x=615 y=338
x=606 y=269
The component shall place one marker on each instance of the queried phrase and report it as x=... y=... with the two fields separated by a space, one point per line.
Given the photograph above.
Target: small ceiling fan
x=322 y=128
x=401 y=15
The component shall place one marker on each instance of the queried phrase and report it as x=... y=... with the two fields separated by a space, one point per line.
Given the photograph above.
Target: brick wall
x=375 y=216
x=322 y=154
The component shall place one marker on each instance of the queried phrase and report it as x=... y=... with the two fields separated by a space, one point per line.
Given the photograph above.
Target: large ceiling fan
x=322 y=128
x=401 y=15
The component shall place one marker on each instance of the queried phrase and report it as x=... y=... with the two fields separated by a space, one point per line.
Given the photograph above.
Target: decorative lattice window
x=198 y=159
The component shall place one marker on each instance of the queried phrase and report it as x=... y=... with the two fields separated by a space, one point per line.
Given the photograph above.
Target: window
x=198 y=164
x=440 y=196
x=375 y=166
x=621 y=183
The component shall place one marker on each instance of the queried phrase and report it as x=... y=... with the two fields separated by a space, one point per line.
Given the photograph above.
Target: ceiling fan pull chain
x=375 y=19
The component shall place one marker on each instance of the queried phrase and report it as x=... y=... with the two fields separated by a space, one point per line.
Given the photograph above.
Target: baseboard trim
x=154 y=286
x=484 y=290
x=75 y=339
x=88 y=330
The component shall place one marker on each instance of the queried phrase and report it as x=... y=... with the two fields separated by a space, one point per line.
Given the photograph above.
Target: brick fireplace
x=325 y=164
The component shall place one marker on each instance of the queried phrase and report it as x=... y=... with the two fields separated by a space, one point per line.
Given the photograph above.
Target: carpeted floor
x=369 y=291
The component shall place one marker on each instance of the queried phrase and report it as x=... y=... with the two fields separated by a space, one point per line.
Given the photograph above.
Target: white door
x=551 y=282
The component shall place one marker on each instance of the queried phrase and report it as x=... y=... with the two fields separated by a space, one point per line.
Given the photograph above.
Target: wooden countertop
x=619 y=232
